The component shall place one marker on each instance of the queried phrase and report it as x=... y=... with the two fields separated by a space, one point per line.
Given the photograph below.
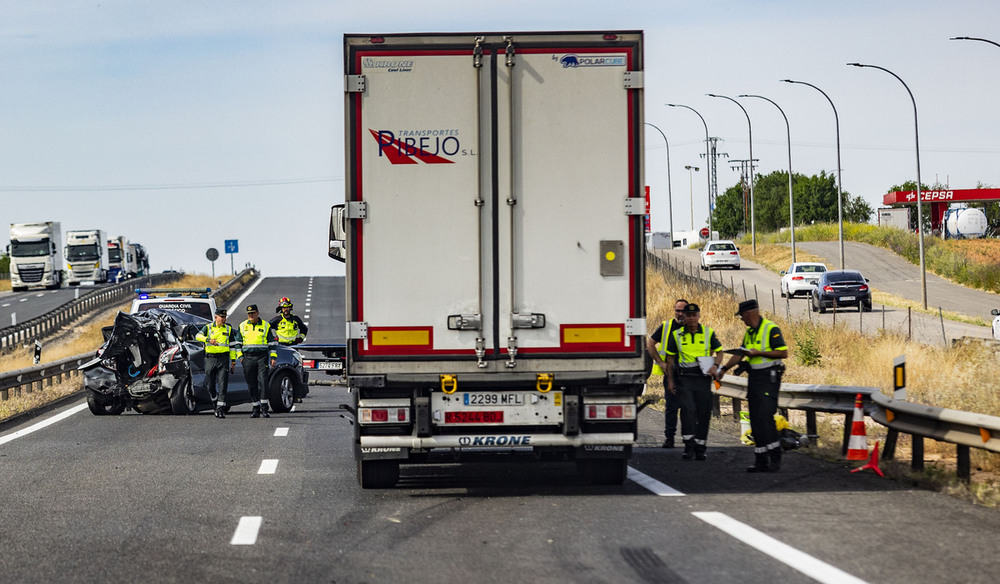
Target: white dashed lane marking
x=281 y=431
x=786 y=554
x=246 y=531
x=268 y=466
x=651 y=484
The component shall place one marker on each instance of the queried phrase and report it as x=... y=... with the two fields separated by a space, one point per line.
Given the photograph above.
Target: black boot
x=760 y=463
x=688 y=450
x=775 y=456
x=263 y=409
x=220 y=411
x=256 y=412
x=699 y=453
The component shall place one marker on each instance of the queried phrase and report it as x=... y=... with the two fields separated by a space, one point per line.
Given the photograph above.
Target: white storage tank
x=965 y=223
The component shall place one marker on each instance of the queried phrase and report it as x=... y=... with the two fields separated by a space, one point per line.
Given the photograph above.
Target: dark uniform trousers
x=762 y=401
x=694 y=395
x=217 y=375
x=255 y=364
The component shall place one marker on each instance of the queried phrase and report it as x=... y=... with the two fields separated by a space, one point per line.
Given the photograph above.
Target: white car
x=996 y=323
x=800 y=277
x=720 y=254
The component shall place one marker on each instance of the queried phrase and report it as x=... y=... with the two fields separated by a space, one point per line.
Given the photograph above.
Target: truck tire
x=111 y=407
x=182 y=401
x=603 y=471
x=281 y=392
x=378 y=474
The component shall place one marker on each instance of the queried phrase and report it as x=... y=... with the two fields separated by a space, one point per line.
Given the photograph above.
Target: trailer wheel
x=378 y=474
x=603 y=471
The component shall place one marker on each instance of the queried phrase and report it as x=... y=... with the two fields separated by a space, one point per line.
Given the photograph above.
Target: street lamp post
x=670 y=196
x=840 y=196
x=791 y=204
x=689 y=168
x=753 y=215
x=920 y=214
x=708 y=161
x=974 y=39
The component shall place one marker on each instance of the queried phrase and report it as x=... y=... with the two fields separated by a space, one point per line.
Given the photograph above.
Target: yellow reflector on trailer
x=592 y=334
x=399 y=337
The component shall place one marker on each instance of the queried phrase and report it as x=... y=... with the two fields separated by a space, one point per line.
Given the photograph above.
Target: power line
x=178 y=186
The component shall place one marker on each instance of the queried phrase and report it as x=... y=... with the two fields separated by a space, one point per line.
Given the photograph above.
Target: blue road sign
x=232 y=246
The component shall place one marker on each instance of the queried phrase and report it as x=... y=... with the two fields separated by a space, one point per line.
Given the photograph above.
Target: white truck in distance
x=120 y=260
x=86 y=257
x=518 y=324
x=35 y=252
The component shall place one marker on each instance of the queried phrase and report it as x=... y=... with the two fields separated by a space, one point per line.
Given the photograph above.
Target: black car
x=839 y=288
x=151 y=363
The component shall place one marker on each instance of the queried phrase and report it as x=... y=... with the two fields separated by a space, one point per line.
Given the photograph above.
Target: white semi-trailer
x=86 y=257
x=35 y=255
x=493 y=241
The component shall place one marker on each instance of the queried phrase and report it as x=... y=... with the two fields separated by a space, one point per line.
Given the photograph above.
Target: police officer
x=288 y=327
x=658 y=353
x=255 y=339
x=692 y=384
x=765 y=348
x=220 y=358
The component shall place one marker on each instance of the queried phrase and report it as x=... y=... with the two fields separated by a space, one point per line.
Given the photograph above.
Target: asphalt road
x=885 y=270
x=27 y=305
x=180 y=499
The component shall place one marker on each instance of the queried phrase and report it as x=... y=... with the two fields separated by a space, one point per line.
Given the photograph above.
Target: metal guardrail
x=54 y=320
x=15 y=382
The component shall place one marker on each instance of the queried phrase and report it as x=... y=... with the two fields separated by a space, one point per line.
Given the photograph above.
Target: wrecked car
x=151 y=363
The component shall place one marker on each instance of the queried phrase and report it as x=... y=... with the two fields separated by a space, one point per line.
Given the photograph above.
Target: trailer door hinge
x=635 y=327
x=356 y=210
x=354 y=83
x=357 y=330
x=633 y=80
x=635 y=206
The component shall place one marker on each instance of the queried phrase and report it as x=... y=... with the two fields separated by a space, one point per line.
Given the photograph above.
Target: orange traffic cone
x=872 y=463
x=857 y=446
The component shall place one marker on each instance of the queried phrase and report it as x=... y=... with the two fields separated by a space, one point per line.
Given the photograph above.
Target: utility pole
x=746 y=170
x=713 y=182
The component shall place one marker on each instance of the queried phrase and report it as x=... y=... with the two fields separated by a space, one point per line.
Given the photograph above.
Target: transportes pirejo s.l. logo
x=415 y=146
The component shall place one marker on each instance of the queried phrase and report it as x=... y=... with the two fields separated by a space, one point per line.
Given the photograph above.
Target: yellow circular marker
x=610 y=256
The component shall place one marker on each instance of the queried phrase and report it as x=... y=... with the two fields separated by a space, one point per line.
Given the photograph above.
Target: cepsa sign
x=938 y=196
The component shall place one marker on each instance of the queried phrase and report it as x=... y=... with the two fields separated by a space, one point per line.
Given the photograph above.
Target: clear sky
x=181 y=124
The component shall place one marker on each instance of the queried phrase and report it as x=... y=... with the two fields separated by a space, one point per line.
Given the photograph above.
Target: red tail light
x=863 y=288
x=828 y=289
x=380 y=415
x=709 y=253
x=798 y=278
x=614 y=411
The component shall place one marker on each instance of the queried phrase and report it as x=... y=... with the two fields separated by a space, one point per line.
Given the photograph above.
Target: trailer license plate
x=466 y=417
x=329 y=365
x=490 y=398
x=846 y=298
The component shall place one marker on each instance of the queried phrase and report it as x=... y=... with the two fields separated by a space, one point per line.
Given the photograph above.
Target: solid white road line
x=42 y=424
x=246 y=531
x=268 y=466
x=247 y=293
x=652 y=484
x=281 y=431
x=808 y=565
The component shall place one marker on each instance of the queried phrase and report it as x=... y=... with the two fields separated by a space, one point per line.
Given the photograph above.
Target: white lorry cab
x=35 y=252
x=493 y=238
x=86 y=257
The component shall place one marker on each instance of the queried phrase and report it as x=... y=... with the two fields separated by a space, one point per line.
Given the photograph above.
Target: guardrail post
x=963 y=466
x=847 y=433
x=811 y=423
x=716 y=406
x=917 y=457
x=889 y=452
x=737 y=407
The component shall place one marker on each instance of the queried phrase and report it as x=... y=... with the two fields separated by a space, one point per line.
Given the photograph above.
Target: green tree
x=911 y=185
x=815 y=199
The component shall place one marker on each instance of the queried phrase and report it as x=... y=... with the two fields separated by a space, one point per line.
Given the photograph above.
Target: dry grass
x=5 y=285
x=80 y=337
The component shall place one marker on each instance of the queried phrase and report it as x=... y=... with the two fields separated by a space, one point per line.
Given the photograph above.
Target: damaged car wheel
x=109 y=407
x=182 y=400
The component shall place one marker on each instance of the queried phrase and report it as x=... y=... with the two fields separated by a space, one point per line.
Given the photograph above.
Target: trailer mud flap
x=604 y=451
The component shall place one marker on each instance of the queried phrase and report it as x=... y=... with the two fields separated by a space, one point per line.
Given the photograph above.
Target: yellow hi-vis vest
x=219 y=334
x=688 y=353
x=287 y=330
x=661 y=348
x=253 y=337
x=762 y=342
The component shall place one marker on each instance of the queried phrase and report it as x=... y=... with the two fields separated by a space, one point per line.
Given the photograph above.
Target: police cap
x=747 y=305
x=220 y=312
x=252 y=308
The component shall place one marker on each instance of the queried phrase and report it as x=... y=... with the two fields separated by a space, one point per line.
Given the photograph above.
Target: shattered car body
x=151 y=363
